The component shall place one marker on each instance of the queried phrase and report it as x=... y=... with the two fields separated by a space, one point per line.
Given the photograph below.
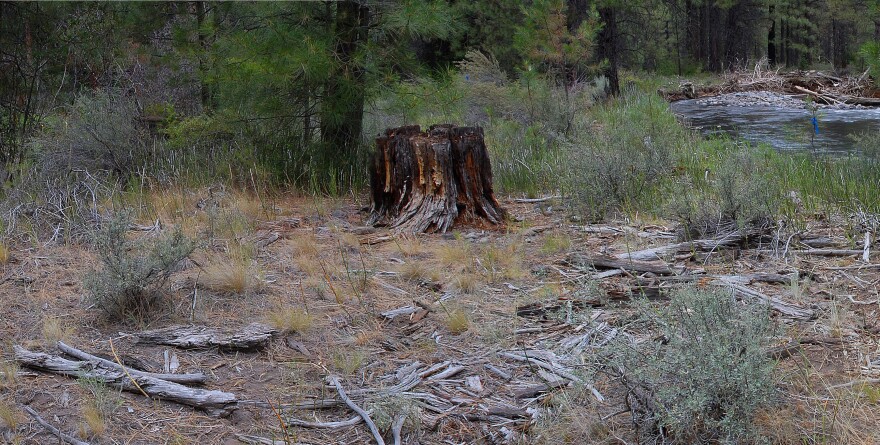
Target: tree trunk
x=608 y=49
x=426 y=182
x=201 y=17
x=771 y=39
x=343 y=105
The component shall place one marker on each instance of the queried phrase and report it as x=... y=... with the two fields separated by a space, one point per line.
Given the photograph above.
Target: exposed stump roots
x=427 y=182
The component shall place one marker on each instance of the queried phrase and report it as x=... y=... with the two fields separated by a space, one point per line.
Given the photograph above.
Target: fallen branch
x=821 y=252
x=360 y=411
x=397 y=427
x=776 y=304
x=257 y=440
x=556 y=370
x=704 y=245
x=608 y=262
x=535 y=200
x=854 y=383
x=527 y=392
x=183 y=379
x=325 y=425
x=253 y=336
x=66 y=438
x=216 y=403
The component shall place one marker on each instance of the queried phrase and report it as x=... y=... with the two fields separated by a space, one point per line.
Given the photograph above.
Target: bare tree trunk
x=426 y=182
x=343 y=104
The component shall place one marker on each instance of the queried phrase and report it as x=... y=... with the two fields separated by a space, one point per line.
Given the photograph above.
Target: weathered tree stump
x=426 y=182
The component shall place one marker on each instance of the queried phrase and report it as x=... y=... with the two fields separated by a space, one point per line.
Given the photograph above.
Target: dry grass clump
x=171 y=205
x=418 y=271
x=5 y=255
x=94 y=424
x=368 y=337
x=570 y=419
x=348 y=361
x=458 y=255
x=458 y=321
x=466 y=282
x=99 y=405
x=555 y=243
x=248 y=205
x=9 y=414
x=9 y=375
x=234 y=276
x=291 y=319
x=411 y=246
x=502 y=262
x=55 y=330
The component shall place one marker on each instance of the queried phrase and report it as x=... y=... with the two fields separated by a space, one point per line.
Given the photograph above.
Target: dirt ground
x=308 y=268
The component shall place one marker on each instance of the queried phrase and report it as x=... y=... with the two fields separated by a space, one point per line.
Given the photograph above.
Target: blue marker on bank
x=815 y=124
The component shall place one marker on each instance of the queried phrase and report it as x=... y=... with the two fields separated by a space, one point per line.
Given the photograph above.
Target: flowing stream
x=785 y=125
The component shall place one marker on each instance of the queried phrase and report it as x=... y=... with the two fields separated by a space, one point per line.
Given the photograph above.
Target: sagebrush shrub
x=712 y=374
x=736 y=192
x=98 y=133
x=619 y=162
x=131 y=279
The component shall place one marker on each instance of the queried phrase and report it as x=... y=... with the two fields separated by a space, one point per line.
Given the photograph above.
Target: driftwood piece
x=787 y=309
x=360 y=411
x=325 y=425
x=554 y=368
x=426 y=182
x=257 y=440
x=609 y=262
x=252 y=336
x=397 y=427
x=703 y=245
x=58 y=433
x=216 y=403
x=784 y=351
x=183 y=379
x=405 y=310
x=529 y=391
x=821 y=252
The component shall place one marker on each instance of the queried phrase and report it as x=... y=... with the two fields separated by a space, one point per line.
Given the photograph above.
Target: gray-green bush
x=736 y=191
x=131 y=280
x=708 y=376
x=618 y=162
x=98 y=133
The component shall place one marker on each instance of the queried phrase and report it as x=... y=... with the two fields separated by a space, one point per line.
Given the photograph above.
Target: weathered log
x=784 y=308
x=197 y=378
x=426 y=182
x=705 y=245
x=252 y=336
x=216 y=403
x=608 y=262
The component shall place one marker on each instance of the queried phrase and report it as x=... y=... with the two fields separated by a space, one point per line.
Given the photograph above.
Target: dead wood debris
x=55 y=431
x=821 y=87
x=252 y=336
x=214 y=402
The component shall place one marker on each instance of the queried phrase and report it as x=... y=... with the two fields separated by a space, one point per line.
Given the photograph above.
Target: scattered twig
x=65 y=437
x=397 y=427
x=536 y=200
x=360 y=411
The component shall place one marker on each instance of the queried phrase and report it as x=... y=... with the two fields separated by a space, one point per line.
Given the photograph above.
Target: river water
x=783 y=127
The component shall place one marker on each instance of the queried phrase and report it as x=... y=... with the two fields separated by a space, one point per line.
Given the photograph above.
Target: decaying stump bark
x=426 y=182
